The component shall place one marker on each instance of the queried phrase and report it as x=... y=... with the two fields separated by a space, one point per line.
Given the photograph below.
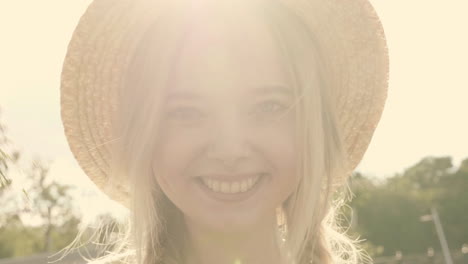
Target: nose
x=229 y=142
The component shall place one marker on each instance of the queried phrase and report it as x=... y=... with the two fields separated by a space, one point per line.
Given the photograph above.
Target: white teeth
x=234 y=187
x=230 y=187
x=225 y=187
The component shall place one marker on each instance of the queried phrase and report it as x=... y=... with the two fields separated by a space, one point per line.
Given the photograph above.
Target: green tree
x=389 y=212
x=48 y=201
x=388 y=217
x=39 y=217
x=453 y=205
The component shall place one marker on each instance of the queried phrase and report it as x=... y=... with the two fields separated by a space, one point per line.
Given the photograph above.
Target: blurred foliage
x=388 y=212
x=8 y=156
x=37 y=217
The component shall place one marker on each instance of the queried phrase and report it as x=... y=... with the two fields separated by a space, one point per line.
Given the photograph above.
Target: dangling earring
x=281 y=223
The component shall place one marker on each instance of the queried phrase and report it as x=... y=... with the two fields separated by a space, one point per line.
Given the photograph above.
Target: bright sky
x=425 y=113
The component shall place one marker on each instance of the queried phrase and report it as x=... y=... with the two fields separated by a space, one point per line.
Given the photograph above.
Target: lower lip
x=231 y=197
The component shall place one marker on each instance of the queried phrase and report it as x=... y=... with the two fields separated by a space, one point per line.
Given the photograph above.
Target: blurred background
x=410 y=191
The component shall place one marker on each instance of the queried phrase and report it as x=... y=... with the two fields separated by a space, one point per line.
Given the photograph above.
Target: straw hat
x=107 y=34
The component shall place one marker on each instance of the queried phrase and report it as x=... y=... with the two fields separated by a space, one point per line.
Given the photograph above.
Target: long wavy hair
x=308 y=226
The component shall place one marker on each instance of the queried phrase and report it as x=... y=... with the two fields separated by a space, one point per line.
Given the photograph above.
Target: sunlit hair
x=308 y=219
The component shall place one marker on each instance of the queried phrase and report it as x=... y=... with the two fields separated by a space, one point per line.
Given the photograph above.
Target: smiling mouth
x=230 y=186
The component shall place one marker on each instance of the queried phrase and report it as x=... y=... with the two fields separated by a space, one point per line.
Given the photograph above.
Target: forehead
x=226 y=49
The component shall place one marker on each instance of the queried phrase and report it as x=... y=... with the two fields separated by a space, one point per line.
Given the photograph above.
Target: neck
x=257 y=245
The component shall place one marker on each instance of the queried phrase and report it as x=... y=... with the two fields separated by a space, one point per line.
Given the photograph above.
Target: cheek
x=176 y=150
x=278 y=142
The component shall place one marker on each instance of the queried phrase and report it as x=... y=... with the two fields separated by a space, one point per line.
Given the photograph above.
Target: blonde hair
x=308 y=218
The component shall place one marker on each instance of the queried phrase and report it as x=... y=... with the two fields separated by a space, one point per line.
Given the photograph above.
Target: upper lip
x=231 y=177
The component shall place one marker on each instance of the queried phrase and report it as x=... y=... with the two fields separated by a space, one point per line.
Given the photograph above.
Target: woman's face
x=226 y=149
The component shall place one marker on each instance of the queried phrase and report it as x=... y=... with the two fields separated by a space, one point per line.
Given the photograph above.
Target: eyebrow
x=257 y=90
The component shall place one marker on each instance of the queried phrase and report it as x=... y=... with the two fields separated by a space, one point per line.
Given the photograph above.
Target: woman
x=226 y=127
